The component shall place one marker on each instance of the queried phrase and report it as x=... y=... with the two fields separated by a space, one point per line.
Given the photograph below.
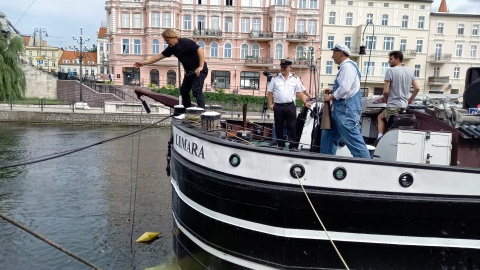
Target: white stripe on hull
x=336 y=236
x=366 y=176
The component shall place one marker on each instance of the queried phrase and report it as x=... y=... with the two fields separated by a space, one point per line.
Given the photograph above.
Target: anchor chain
x=169 y=155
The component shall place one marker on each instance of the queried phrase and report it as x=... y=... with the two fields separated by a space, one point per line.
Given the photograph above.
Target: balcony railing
x=297 y=35
x=207 y=32
x=257 y=60
x=440 y=57
x=259 y=34
x=439 y=79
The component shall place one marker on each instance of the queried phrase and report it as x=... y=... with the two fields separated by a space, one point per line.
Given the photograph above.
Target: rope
x=46 y=240
x=323 y=226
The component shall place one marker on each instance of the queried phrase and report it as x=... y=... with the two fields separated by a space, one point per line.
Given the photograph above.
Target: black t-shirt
x=186 y=52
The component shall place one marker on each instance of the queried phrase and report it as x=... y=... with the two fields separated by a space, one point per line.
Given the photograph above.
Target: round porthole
x=234 y=160
x=405 y=180
x=297 y=170
x=339 y=173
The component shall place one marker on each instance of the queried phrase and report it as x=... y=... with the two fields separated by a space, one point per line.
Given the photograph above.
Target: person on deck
x=398 y=80
x=282 y=91
x=347 y=107
x=193 y=60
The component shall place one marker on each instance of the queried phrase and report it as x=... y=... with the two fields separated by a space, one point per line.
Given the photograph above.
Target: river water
x=94 y=203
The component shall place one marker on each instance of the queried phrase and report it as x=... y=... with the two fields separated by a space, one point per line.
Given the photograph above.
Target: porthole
x=234 y=160
x=339 y=173
x=297 y=170
x=405 y=180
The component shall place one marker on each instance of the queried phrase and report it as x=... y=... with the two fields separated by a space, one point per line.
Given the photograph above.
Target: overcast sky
x=62 y=19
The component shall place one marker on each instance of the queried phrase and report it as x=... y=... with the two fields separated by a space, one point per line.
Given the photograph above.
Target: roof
x=72 y=55
x=102 y=32
x=26 y=40
x=443 y=6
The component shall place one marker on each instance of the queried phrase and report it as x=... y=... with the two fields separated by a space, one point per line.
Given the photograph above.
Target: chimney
x=443 y=6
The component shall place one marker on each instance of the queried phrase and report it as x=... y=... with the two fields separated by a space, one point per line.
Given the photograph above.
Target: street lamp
x=81 y=53
x=40 y=32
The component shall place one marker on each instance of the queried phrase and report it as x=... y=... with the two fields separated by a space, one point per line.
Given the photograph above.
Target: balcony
x=438 y=80
x=439 y=58
x=299 y=37
x=409 y=54
x=301 y=63
x=259 y=36
x=251 y=61
x=207 y=33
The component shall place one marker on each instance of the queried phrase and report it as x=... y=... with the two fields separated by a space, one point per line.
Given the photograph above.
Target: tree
x=12 y=78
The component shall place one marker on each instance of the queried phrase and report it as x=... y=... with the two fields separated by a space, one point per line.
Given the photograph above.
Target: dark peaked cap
x=285 y=62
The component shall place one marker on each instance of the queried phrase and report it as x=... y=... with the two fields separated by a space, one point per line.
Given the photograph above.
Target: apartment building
x=103 y=51
x=39 y=54
x=241 y=39
x=70 y=63
x=453 y=48
x=381 y=26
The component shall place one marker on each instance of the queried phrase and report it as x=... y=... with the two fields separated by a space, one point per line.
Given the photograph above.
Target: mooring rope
x=46 y=240
x=320 y=220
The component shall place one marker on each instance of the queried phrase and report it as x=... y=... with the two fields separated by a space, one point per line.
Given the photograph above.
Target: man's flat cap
x=343 y=48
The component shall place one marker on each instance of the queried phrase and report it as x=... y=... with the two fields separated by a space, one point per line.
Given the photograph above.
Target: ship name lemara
x=188 y=146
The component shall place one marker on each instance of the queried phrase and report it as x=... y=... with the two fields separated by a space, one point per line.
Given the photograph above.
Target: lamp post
x=81 y=53
x=40 y=32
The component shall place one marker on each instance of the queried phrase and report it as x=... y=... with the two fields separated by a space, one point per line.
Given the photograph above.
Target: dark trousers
x=285 y=114
x=191 y=81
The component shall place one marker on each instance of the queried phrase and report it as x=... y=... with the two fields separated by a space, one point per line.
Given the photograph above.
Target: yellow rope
x=323 y=226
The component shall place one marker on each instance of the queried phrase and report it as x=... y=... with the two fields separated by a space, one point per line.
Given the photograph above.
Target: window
x=301 y=26
x=349 y=18
x=256 y=24
x=313 y=4
x=53 y=54
x=136 y=46
x=312 y=27
x=280 y=24
x=475 y=30
x=331 y=18
x=166 y=20
x=244 y=51
x=422 y=6
x=421 y=22
x=388 y=43
x=348 y=42
x=125 y=20
x=371 y=43
x=419 y=46
x=438 y=51
x=299 y=53
x=249 y=80
x=405 y=21
x=302 y=3
x=228 y=2
x=125 y=46
x=440 y=28
x=333 y=2
x=155 y=17
x=329 y=67
x=156 y=46
x=369 y=18
x=416 y=71
x=403 y=45
x=310 y=52
x=255 y=51
x=245 y=25
x=165 y=45
x=101 y=47
x=187 y=22
x=385 y=4
x=436 y=72
x=350 y=3
x=201 y=44
x=461 y=28
x=385 y=67
x=201 y=23
x=456 y=73
x=385 y=19
x=368 y=68
x=137 y=20
x=228 y=24
x=458 y=50
x=370 y=4
x=278 y=51
x=330 y=42
x=473 y=51
x=214 y=49
x=227 y=50
x=215 y=23
x=406 y=5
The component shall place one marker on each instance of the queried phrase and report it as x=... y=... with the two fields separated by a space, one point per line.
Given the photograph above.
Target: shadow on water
x=94 y=203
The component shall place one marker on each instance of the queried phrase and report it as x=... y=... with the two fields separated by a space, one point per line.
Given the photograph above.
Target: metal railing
x=207 y=32
x=260 y=34
x=297 y=35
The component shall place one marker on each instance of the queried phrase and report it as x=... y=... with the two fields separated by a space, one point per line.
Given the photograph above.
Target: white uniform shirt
x=284 y=91
x=348 y=81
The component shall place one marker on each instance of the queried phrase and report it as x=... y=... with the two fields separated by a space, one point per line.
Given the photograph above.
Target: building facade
x=380 y=26
x=454 y=44
x=39 y=54
x=241 y=39
x=103 y=51
x=70 y=63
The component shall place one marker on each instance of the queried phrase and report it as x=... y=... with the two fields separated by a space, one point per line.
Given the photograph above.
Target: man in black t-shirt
x=193 y=60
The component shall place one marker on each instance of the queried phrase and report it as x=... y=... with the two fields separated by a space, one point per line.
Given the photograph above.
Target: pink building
x=241 y=39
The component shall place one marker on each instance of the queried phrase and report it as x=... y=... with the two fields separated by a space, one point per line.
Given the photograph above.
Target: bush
x=152 y=85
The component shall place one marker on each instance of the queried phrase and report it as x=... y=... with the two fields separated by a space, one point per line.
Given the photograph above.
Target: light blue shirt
x=349 y=83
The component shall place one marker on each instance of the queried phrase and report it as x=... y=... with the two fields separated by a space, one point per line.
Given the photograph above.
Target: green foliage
x=152 y=85
x=221 y=90
x=12 y=78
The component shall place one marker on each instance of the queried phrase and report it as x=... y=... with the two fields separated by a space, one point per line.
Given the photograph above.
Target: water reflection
x=89 y=202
